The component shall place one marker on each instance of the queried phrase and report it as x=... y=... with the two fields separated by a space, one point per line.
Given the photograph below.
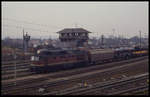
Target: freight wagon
x=100 y=55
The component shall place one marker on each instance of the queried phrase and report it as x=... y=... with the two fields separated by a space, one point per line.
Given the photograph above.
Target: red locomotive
x=53 y=60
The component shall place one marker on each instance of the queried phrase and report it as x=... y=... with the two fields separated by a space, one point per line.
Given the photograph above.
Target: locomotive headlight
x=38 y=51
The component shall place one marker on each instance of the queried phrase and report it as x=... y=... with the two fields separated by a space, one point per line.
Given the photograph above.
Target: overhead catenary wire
x=20 y=24
x=18 y=28
x=21 y=27
x=31 y=23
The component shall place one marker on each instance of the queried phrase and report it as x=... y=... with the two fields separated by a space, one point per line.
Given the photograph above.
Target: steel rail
x=135 y=89
x=84 y=90
x=82 y=70
x=11 y=62
x=59 y=81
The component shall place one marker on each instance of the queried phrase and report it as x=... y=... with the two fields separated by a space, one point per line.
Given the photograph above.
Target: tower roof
x=71 y=30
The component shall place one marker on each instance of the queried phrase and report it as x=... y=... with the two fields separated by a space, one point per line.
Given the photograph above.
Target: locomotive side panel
x=58 y=61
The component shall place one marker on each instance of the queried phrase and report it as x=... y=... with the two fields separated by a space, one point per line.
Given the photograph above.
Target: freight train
x=55 y=60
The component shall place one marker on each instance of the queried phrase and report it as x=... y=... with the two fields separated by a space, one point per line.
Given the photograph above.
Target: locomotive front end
x=37 y=64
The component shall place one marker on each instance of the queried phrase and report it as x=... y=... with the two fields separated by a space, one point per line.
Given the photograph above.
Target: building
x=73 y=37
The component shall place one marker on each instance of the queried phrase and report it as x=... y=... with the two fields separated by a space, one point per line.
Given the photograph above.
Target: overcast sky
x=44 y=19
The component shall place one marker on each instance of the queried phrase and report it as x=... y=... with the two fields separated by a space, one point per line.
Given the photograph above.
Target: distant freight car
x=123 y=53
x=140 y=52
x=100 y=55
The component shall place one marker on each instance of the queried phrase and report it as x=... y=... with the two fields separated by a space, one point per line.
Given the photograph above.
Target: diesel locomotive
x=55 y=60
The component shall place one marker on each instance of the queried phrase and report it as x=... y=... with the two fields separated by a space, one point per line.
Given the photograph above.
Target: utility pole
x=15 y=75
x=76 y=25
x=97 y=39
x=102 y=40
x=140 y=37
x=15 y=67
x=23 y=40
x=113 y=32
x=114 y=44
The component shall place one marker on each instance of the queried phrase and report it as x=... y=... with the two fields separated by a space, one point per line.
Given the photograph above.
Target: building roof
x=70 y=30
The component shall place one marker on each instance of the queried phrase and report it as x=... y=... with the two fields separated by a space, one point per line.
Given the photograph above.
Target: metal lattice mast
x=140 y=37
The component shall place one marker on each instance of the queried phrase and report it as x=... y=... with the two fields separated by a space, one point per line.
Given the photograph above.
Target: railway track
x=20 y=66
x=90 y=79
x=111 y=87
x=49 y=83
x=20 y=72
x=11 y=67
x=22 y=69
x=69 y=72
x=138 y=91
x=9 y=63
x=132 y=91
x=12 y=76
